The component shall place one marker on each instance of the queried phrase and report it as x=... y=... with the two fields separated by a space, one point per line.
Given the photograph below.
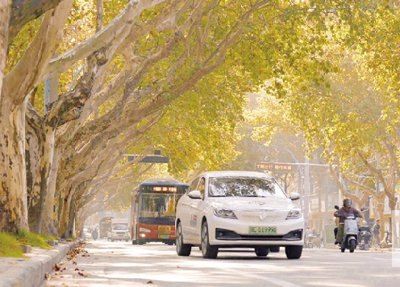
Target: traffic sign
x=274 y=166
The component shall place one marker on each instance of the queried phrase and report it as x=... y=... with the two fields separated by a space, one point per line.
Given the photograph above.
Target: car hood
x=251 y=203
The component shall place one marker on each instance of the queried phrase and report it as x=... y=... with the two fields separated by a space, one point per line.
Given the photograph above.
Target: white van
x=119 y=230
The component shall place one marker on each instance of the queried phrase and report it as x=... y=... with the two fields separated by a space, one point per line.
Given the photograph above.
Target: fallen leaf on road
x=56 y=267
x=74 y=262
x=150 y=282
x=47 y=276
x=178 y=267
x=76 y=269
x=13 y=262
x=82 y=274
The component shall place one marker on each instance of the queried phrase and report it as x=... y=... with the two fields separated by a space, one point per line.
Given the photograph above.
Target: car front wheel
x=294 y=251
x=181 y=248
x=261 y=251
x=207 y=250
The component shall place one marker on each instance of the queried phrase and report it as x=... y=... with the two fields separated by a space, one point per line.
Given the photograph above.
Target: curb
x=30 y=272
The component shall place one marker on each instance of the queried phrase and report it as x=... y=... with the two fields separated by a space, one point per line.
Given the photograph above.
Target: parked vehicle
x=386 y=242
x=238 y=209
x=350 y=231
x=119 y=230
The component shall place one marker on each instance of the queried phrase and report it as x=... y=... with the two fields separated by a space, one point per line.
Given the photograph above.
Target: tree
x=151 y=57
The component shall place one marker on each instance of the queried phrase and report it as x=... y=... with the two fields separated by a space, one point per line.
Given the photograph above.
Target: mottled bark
x=5 y=11
x=13 y=188
x=49 y=214
x=24 y=11
x=13 y=103
x=33 y=176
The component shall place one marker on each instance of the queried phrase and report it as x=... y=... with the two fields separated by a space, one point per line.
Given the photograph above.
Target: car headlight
x=141 y=229
x=294 y=214
x=224 y=213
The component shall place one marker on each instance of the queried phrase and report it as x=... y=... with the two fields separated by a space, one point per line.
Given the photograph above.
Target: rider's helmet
x=364 y=223
x=347 y=202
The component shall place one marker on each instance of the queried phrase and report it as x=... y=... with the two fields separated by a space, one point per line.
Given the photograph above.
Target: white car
x=234 y=209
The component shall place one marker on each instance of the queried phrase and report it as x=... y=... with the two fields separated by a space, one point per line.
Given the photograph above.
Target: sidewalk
x=30 y=272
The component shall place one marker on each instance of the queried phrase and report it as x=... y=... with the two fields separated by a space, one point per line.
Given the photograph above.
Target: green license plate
x=262 y=230
x=163 y=236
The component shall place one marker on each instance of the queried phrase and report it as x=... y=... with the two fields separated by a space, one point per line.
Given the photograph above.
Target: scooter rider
x=344 y=212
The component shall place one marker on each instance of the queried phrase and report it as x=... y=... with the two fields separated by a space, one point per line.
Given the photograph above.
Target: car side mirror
x=294 y=196
x=336 y=207
x=195 y=194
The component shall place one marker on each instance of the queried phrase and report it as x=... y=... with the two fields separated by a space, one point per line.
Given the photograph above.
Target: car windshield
x=244 y=187
x=120 y=226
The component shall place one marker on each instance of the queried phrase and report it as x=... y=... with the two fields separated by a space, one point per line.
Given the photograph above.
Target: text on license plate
x=262 y=230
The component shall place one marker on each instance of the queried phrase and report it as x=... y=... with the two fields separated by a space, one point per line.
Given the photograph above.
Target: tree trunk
x=46 y=158
x=65 y=205
x=48 y=220
x=5 y=11
x=13 y=188
x=32 y=176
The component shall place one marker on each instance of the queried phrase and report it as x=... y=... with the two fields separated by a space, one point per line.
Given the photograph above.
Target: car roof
x=224 y=173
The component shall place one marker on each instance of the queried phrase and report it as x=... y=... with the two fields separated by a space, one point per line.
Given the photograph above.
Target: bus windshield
x=158 y=208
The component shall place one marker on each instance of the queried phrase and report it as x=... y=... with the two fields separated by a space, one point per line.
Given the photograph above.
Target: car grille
x=263 y=215
x=224 y=234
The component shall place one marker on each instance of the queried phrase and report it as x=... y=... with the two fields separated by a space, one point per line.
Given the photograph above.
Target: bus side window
x=202 y=186
x=193 y=185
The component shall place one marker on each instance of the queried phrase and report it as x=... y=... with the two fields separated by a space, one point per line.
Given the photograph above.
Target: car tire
x=261 y=251
x=181 y=248
x=207 y=250
x=294 y=251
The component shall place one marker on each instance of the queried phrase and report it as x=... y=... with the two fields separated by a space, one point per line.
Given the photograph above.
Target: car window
x=193 y=185
x=244 y=187
x=202 y=186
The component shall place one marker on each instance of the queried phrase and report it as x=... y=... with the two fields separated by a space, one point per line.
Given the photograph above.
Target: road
x=103 y=263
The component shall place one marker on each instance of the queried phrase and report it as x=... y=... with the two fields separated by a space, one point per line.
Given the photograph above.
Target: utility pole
x=307 y=191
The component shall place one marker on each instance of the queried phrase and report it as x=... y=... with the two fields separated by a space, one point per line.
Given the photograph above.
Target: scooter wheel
x=352 y=246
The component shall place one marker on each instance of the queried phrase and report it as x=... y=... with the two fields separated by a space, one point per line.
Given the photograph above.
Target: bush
x=9 y=246
x=32 y=239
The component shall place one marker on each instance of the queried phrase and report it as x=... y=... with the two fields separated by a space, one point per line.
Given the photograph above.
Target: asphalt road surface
x=102 y=263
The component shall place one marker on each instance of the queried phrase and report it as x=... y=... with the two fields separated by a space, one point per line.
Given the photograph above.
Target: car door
x=196 y=211
x=184 y=211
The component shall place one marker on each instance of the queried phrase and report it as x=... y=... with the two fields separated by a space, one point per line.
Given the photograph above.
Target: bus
x=104 y=226
x=153 y=210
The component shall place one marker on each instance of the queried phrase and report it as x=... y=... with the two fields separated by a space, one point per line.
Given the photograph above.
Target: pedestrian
x=376 y=229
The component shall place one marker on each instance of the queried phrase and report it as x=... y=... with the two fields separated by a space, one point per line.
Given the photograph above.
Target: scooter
x=350 y=231
x=365 y=238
